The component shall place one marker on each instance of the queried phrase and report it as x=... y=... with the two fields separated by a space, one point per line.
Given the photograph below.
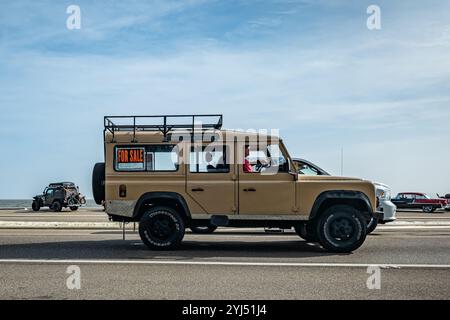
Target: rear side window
x=146 y=158
x=211 y=160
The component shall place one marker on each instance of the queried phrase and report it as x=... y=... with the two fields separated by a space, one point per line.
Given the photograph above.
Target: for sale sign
x=132 y=159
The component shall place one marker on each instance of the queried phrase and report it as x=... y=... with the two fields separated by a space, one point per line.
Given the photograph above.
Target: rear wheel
x=341 y=228
x=35 y=206
x=56 y=206
x=161 y=228
x=203 y=229
x=428 y=209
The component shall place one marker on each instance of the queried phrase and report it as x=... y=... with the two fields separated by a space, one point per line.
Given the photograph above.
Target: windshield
x=412 y=196
x=308 y=169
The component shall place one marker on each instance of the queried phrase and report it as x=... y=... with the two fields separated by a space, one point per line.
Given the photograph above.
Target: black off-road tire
x=372 y=225
x=306 y=232
x=56 y=206
x=73 y=208
x=161 y=228
x=203 y=229
x=98 y=182
x=341 y=229
x=35 y=206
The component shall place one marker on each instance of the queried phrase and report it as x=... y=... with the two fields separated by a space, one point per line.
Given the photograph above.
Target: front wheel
x=161 y=228
x=372 y=225
x=203 y=229
x=35 y=206
x=341 y=228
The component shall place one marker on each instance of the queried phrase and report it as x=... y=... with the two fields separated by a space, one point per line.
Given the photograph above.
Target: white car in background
x=385 y=208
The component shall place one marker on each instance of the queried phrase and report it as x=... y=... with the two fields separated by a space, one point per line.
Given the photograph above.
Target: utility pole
x=342 y=161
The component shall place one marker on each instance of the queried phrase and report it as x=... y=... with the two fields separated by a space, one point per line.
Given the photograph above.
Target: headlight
x=384 y=194
x=388 y=194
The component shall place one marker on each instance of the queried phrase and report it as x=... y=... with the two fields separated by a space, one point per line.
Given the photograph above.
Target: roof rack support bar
x=193 y=129
x=165 y=129
x=134 y=129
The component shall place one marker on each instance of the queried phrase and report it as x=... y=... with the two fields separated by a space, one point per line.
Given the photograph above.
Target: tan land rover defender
x=172 y=172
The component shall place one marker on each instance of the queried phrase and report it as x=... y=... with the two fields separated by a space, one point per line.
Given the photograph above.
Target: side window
x=209 y=159
x=152 y=158
x=277 y=158
x=264 y=159
x=161 y=158
x=49 y=192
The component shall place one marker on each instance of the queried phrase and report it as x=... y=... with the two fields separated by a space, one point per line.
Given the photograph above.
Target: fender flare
x=39 y=200
x=341 y=195
x=161 y=195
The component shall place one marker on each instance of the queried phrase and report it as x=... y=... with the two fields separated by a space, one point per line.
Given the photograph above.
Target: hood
x=381 y=185
x=327 y=178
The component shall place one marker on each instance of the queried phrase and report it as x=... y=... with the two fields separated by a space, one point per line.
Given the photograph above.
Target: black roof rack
x=163 y=123
x=62 y=184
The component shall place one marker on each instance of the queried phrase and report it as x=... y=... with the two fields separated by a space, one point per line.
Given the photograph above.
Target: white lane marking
x=225 y=263
x=59 y=225
x=412 y=227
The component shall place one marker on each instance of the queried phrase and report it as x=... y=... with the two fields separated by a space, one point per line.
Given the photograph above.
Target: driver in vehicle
x=247 y=166
x=261 y=163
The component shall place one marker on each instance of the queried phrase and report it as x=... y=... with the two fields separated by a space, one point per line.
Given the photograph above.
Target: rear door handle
x=197 y=190
x=250 y=190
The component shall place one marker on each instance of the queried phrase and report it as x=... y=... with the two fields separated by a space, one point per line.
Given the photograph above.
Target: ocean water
x=26 y=203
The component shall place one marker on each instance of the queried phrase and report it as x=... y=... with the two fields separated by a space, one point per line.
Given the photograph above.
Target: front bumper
x=387 y=212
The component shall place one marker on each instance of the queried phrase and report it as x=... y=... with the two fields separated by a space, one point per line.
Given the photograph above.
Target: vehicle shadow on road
x=135 y=249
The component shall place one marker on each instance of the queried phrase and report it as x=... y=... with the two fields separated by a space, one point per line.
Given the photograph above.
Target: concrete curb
x=62 y=225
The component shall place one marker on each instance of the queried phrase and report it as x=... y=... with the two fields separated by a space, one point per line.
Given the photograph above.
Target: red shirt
x=247 y=166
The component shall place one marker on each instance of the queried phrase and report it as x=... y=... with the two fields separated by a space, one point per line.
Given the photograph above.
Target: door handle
x=197 y=189
x=250 y=190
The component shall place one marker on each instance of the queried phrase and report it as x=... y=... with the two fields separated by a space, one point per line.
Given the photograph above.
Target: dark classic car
x=419 y=200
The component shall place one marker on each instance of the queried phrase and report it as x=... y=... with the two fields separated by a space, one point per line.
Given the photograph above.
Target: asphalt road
x=97 y=215
x=229 y=264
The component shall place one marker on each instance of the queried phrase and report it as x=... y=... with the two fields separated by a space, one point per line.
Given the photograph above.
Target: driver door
x=49 y=196
x=269 y=189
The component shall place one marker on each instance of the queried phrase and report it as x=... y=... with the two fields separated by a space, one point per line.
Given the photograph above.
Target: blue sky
x=312 y=69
